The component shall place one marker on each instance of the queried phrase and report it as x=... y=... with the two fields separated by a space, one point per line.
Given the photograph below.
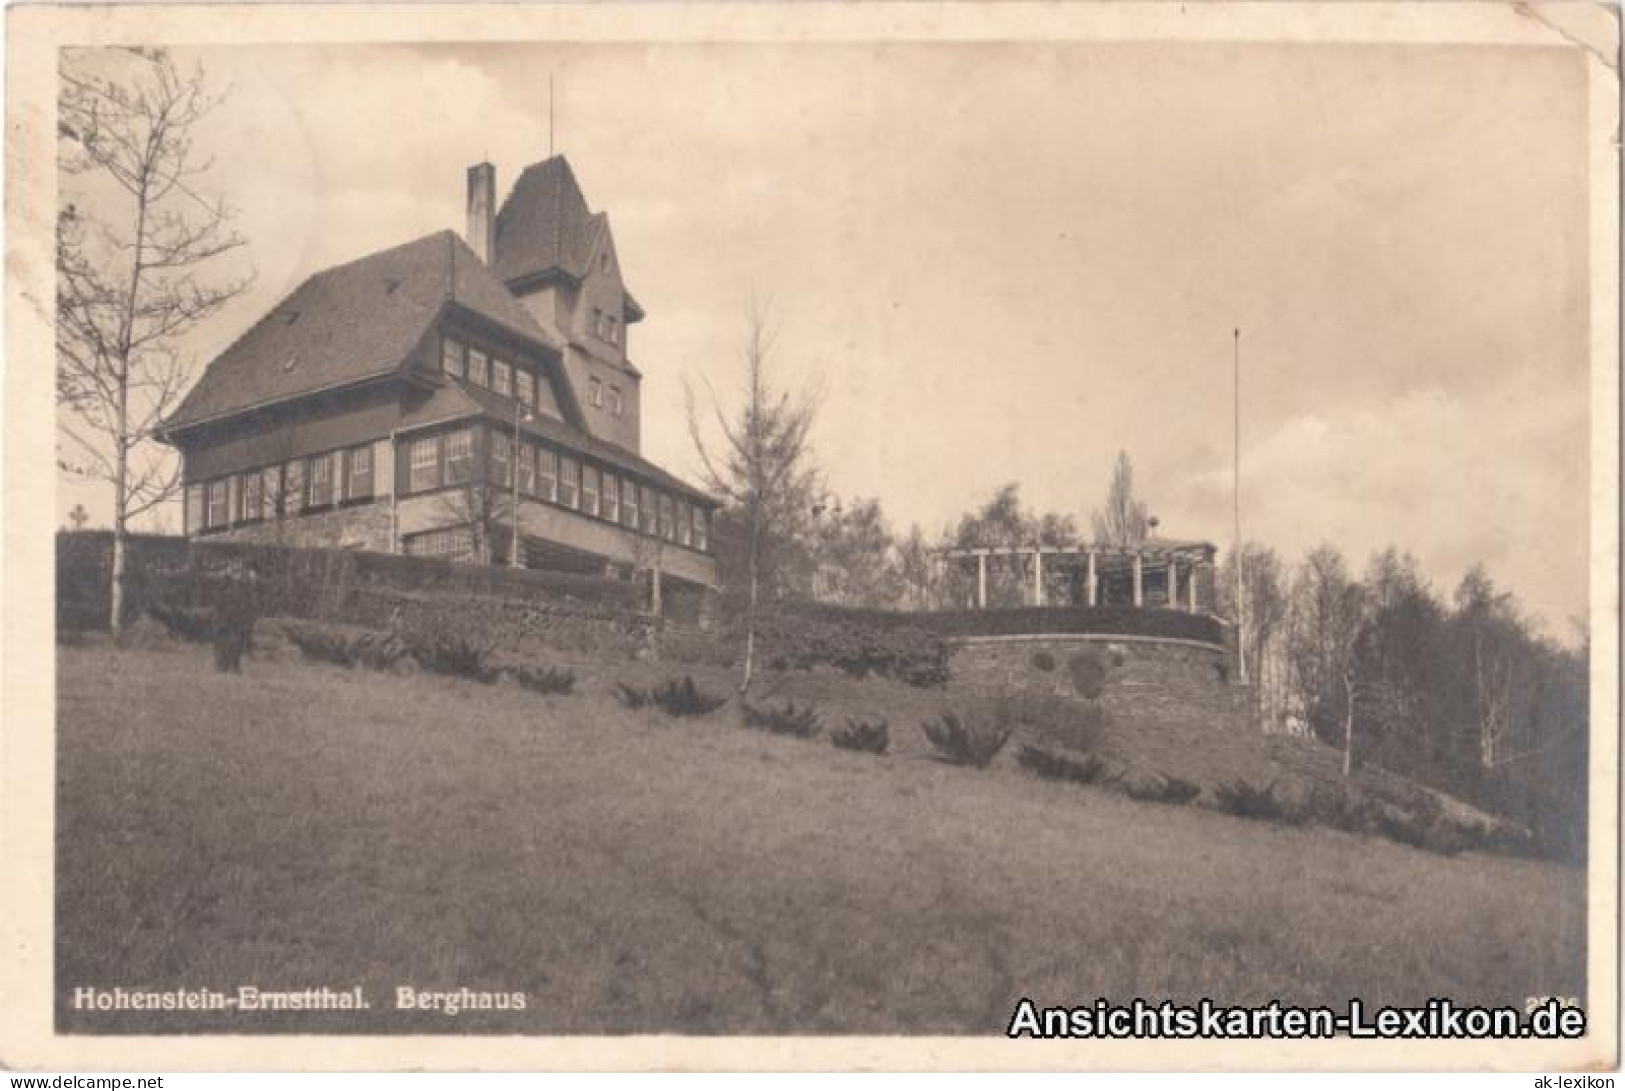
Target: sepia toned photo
x=1042 y=531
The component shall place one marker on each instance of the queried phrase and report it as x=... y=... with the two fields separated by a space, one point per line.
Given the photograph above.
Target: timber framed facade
x=466 y=399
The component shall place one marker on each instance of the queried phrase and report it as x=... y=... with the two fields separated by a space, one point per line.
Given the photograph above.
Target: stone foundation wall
x=1129 y=680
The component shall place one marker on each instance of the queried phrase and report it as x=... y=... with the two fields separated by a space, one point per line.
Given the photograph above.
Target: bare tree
x=129 y=264
x=1123 y=522
x=762 y=469
x=1328 y=613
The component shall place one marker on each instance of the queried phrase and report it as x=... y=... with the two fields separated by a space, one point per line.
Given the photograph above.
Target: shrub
x=1043 y=661
x=905 y=653
x=193 y=624
x=1340 y=808
x=1163 y=789
x=454 y=654
x=674 y=697
x=1088 y=674
x=631 y=696
x=345 y=646
x=967 y=742
x=684 y=698
x=1041 y=763
x=871 y=738
x=800 y=723
x=545 y=680
x=1264 y=804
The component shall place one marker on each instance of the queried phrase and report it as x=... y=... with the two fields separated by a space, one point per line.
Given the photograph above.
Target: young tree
x=762 y=470
x=919 y=569
x=1328 y=615
x=1123 y=523
x=132 y=250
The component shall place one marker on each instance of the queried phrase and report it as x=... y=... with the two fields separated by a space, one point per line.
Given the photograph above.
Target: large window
x=702 y=530
x=668 y=519
x=294 y=498
x=501 y=377
x=527 y=468
x=424 y=464
x=451 y=357
x=321 y=480
x=218 y=512
x=589 y=489
x=451 y=542
x=360 y=484
x=271 y=491
x=547 y=469
x=569 y=481
x=478 y=367
x=685 y=523
x=248 y=495
x=651 y=517
x=612 y=497
x=459 y=457
x=500 y=460
x=629 y=505
x=526 y=384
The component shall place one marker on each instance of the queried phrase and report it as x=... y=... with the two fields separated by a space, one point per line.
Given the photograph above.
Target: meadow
x=303 y=825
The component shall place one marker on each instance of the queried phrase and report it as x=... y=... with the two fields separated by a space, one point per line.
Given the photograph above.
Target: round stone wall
x=1127 y=679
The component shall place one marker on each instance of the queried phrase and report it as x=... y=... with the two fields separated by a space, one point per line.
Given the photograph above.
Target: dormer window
x=595 y=392
x=610 y=334
x=478 y=367
x=616 y=405
x=451 y=357
x=501 y=377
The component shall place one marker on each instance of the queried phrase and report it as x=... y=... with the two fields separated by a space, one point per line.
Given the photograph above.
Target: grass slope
x=300 y=826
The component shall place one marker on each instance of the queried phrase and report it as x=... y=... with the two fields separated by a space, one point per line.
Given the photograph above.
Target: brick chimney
x=482 y=202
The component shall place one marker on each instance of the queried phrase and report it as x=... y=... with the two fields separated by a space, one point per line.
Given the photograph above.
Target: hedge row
x=310 y=583
x=1030 y=621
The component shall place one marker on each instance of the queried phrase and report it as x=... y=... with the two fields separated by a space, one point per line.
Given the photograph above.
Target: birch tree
x=133 y=251
x=762 y=469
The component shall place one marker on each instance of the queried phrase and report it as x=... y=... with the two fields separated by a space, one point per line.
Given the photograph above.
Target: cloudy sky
x=1007 y=262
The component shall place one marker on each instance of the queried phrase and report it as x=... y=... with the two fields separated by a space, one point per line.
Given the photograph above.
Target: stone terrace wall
x=1136 y=682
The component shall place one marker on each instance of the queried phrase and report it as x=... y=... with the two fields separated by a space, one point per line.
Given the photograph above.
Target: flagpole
x=513 y=471
x=1235 y=492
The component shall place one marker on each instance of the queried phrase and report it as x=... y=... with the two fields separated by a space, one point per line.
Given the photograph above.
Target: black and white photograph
x=1047 y=529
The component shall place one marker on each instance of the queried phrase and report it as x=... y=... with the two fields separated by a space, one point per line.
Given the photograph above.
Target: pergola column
x=981 y=581
x=1038 y=577
x=1139 y=580
x=1192 y=581
x=1092 y=584
x=1173 y=584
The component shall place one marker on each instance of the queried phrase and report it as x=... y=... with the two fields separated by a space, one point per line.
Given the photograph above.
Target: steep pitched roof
x=458 y=400
x=544 y=224
x=349 y=323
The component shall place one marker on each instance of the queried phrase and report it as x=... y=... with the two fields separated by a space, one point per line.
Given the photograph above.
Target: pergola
x=1176 y=569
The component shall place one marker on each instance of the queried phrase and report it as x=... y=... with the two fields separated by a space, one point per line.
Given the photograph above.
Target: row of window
x=455 y=542
x=447 y=459
x=505 y=377
x=288 y=488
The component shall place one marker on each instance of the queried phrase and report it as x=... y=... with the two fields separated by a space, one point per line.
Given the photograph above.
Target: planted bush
x=1340 y=808
x=811 y=638
x=1163 y=789
x=800 y=723
x=674 y=697
x=545 y=680
x=972 y=742
x=1264 y=804
x=870 y=738
x=193 y=624
x=1041 y=763
x=454 y=654
x=344 y=646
